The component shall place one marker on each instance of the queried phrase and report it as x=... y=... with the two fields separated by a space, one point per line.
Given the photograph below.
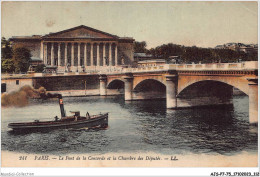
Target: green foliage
x=140 y=47
x=21 y=58
x=39 y=68
x=7 y=66
x=166 y=50
x=6 y=50
x=196 y=54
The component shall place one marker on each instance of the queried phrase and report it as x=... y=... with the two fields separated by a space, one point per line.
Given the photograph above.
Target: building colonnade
x=79 y=54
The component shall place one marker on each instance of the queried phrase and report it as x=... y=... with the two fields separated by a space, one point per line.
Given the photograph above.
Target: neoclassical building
x=79 y=49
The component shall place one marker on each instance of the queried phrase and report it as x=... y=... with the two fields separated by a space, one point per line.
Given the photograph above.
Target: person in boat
x=56 y=118
x=76 y=116
x=87 y=116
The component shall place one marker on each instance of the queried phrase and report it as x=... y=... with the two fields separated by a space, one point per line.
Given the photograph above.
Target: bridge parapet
x=243 y=66
x=249 y=65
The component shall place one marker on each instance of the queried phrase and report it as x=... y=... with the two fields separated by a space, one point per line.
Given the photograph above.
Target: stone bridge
x=183 y=85
x=186 y=85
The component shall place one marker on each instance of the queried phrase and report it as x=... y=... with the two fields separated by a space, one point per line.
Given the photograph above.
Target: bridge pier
x=103 y=83
x=171 y=91
x=253 y=101
x=128 y=88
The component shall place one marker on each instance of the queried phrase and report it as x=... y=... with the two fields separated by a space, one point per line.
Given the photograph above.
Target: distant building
x=141 y=56
x=240 y=47
x=247 y=49
x=78 y=49
x=174 y=59
x=220 y=47
x=34 y=61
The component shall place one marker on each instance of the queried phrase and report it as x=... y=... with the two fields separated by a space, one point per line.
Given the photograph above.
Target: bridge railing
x=248 y=65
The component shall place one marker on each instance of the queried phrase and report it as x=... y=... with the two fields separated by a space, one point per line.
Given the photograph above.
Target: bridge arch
x=149 y=89
x=116 y=84
x=149 y=84
x=207 y=89
x=155 y=80
x=239 y=83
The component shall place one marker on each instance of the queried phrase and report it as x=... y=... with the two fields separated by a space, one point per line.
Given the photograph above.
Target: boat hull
x=98 y=121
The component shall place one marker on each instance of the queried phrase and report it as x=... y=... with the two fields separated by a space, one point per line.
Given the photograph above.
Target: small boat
x=74 y=121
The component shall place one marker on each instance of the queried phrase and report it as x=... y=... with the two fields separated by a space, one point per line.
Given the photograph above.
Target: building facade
x=239 y=47
x=79 y=49
x=151 y=63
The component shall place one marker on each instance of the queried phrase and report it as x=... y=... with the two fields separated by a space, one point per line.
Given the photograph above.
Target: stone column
x=171 y=91
x=42 y=51
x=91 y=54
x=45 y=60
x=253 y=101
x=98 y=57
x=78 y=55
x=128 y=87
x=72 y=54
x=52 y=54
x=110 y=54
x=66 y=55
x=103 y=83
x=104 y=54
x=85 y=54
x=116 y=59
x=59 y=54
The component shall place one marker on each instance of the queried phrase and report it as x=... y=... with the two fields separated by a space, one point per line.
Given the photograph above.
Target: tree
x=7 y=66
x=140 y=47
x=21 y=58
x=197 y=54
x=6 y=50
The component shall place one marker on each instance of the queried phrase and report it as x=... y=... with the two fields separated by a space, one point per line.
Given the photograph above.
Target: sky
x=204 y=24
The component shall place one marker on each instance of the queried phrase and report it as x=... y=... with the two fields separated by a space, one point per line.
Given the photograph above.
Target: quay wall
x=59 y=83
x=75 y=85
x=90 y=92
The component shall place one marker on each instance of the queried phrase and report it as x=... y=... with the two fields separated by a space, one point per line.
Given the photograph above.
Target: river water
x=137 y=126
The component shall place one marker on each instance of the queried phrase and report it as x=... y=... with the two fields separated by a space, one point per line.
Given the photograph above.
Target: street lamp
x=67 y=67
x=83 y=68
x=85 y=86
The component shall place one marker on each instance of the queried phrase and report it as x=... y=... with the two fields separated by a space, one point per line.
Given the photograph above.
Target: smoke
x=21 y=97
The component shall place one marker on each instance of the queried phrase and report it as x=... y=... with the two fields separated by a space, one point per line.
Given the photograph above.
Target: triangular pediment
x=81 y=32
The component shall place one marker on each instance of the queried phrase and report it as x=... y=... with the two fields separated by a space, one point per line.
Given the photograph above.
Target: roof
x=173 y=57
x=78 y=27
x=81 y=32
x=153 y=61
x=35 y=38
x=141 y=55
x=28 y=37
x=35 y=59
x=50 y=67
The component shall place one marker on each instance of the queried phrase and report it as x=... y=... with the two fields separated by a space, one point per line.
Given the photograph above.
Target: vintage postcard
x=129 y=84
